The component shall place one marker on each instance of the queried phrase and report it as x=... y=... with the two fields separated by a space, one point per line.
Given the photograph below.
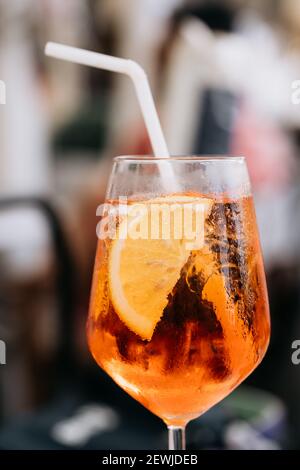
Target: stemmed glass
x=179 y=312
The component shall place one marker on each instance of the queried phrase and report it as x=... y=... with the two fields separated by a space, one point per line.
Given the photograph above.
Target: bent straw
x=141 y=84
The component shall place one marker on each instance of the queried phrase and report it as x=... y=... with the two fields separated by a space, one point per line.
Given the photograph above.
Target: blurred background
x=222 y=74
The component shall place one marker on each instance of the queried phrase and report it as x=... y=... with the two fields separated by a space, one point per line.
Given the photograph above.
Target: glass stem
x=176 y=438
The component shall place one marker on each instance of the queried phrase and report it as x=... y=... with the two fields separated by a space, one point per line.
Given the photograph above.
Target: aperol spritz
x=178 y=318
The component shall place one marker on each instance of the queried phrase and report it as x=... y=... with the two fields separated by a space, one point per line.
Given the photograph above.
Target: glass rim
x=180 y=158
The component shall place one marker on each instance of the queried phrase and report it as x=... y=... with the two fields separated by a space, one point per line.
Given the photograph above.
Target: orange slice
x=148 y=254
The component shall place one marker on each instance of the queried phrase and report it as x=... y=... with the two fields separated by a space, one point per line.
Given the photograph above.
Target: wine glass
x=179 y=313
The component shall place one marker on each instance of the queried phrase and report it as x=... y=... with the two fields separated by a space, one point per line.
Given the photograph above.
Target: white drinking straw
x=128 y=67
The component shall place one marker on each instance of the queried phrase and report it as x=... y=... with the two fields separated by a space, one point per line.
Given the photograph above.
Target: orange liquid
x=212 y=334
